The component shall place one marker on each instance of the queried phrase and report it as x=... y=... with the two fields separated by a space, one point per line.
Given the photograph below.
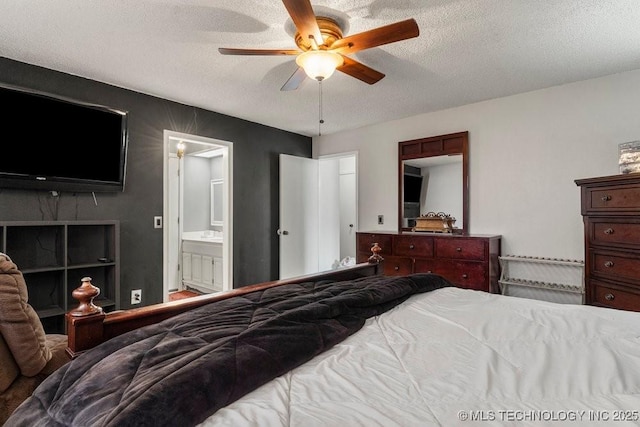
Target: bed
x=352 y=348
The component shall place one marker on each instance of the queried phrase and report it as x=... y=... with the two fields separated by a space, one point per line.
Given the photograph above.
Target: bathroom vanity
x=202 y=260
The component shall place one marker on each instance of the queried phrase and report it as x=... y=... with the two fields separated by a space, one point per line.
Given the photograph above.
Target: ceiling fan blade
x=304 y=19
x=233 y=51
x=378 y=36
x=360 y=71
x=295 y=80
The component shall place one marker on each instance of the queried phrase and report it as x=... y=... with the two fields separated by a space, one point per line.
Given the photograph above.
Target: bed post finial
x=85 y=294
x=84 y=323
x=375 y=258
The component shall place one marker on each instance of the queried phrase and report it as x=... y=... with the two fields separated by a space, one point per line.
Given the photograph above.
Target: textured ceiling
x=467 y=51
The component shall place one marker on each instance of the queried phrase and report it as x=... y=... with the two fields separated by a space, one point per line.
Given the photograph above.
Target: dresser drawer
x=366 y=240
x=397 y=266
x=470 y=275
x=460 y=248
x=413 y=246
x=612 y=232
x=615 y=265
x=614 y=297
x=613 y=199
x=610 y=206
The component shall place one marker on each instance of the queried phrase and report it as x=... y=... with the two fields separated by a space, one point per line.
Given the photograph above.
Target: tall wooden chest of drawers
x=467 y=261
x=611 y=215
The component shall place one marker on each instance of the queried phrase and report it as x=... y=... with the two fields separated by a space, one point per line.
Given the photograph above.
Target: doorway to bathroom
x=198 y=214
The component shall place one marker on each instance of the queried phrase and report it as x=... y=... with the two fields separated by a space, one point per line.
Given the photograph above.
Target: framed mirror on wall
x=433 y=184
x=216 y=202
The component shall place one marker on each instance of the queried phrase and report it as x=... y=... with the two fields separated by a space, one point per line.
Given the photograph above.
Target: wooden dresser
x=468 y=261
x=611 y=215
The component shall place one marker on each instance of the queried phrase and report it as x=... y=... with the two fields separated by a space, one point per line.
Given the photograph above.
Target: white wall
x=436 y=188
x=197 y=194
x=525 y=153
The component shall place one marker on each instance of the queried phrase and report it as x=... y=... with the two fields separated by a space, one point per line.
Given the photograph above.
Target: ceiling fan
x=323 y=49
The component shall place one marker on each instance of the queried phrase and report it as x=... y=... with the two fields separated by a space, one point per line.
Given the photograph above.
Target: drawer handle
x=465 y=276
x=608 y=231
x=459 y=249
x=396 y=268
x=411 y=246
x=608 y=264
x=606 y=198
x=609 y=297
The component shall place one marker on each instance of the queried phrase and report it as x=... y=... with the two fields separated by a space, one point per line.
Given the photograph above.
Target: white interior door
x=318 y=212
x=173 y=279
x=348 y=215
x=299 y=223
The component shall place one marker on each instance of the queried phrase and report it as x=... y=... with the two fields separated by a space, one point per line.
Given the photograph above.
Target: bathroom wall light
x=180 y=149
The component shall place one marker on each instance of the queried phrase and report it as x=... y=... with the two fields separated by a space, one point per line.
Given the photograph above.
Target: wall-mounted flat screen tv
x=412 y=188
x=56 y=144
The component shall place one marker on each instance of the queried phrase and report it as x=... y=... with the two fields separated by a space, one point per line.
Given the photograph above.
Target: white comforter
x=455 y=357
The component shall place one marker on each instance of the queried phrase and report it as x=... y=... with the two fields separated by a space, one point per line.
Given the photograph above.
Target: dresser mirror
x=433 y=184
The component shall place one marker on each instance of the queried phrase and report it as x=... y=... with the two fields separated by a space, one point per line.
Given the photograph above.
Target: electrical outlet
x=380 y=219
x=136 y=296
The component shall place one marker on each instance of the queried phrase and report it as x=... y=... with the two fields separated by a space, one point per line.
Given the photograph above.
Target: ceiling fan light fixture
x=319 y=64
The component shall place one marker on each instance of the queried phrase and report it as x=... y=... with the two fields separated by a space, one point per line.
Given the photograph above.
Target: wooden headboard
x=88 y=325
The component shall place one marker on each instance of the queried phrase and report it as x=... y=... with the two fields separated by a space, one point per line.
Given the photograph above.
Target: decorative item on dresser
x=468 y=261
x=611 y=215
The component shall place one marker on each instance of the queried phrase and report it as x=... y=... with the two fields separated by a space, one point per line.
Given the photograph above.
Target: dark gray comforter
x=182 y=370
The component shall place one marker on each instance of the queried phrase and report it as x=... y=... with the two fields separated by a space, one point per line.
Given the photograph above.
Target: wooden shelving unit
x=54 y=256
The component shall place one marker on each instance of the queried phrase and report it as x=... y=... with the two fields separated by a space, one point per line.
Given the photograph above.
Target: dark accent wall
x=255 y=178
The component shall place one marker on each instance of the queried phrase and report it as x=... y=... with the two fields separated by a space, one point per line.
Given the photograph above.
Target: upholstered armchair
x=27 y=354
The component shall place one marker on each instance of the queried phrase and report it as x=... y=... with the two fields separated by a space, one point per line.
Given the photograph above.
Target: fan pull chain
x=320 y=120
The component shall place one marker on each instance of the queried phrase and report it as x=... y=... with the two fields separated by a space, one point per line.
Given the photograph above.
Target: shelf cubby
x=54 y=256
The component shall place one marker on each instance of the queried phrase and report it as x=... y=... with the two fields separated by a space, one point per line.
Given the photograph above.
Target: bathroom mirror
x=216 y=202
x=434 y=179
